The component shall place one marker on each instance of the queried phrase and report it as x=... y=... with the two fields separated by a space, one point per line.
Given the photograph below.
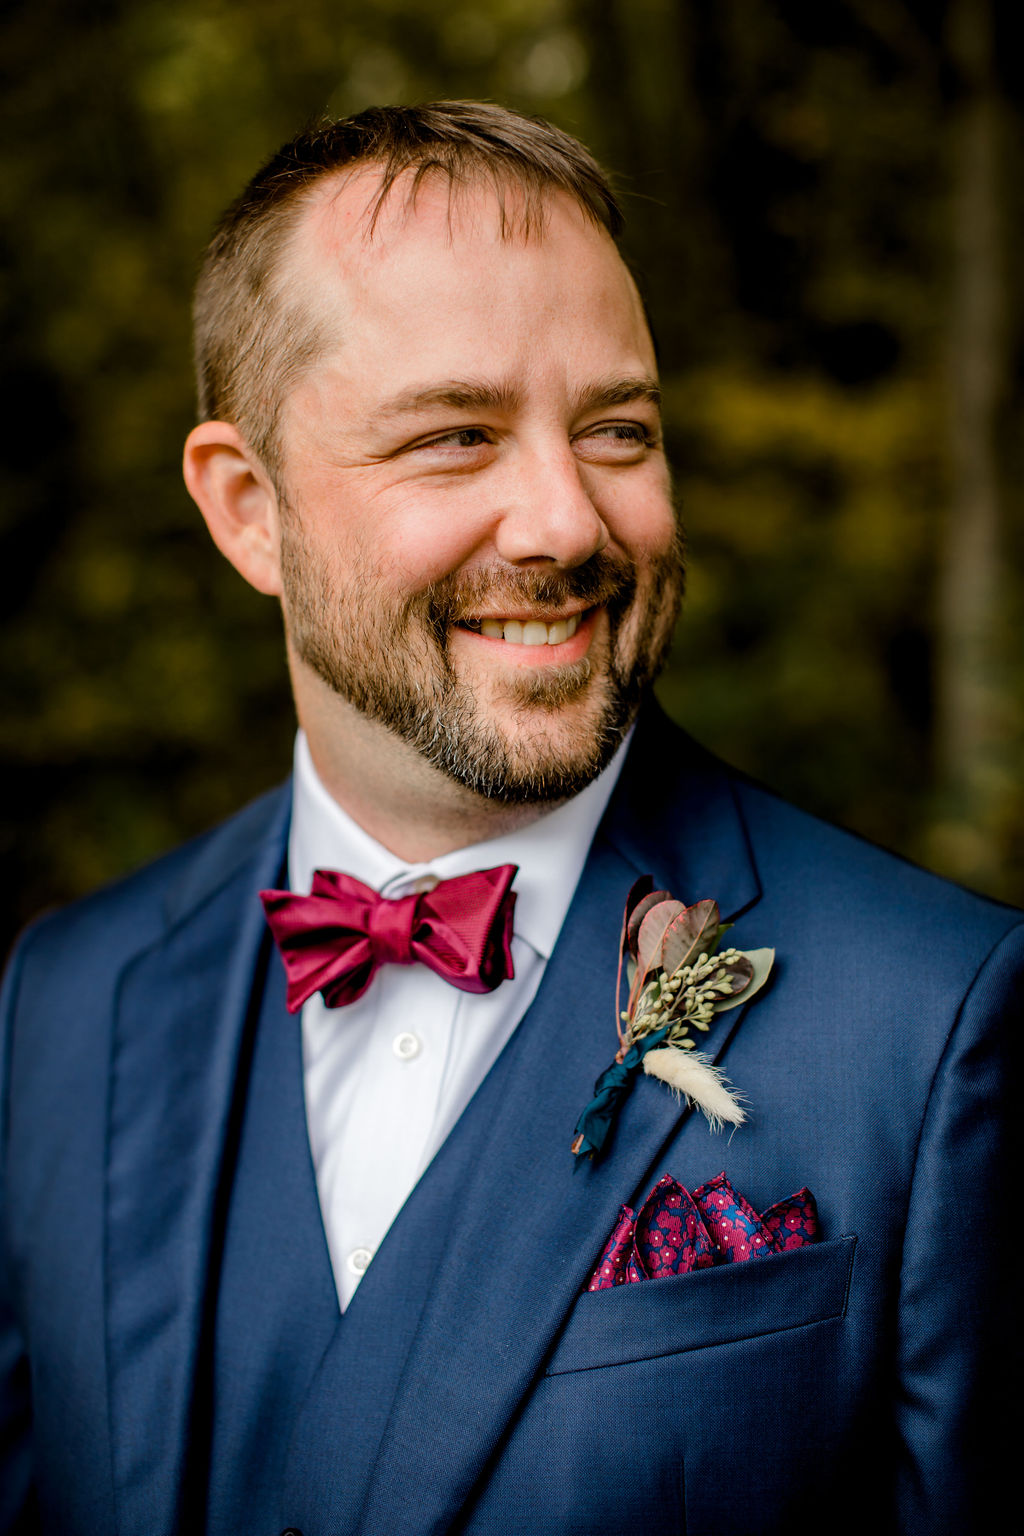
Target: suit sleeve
x=958 y=1329
x=17 y=1502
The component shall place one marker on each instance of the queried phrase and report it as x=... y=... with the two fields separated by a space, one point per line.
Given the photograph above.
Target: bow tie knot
x=333 y=940
x=390 y=926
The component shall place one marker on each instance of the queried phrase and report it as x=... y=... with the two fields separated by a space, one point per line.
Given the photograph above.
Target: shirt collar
x=550 y=852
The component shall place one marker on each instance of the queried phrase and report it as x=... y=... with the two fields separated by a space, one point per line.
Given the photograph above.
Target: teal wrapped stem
x=609 y=1091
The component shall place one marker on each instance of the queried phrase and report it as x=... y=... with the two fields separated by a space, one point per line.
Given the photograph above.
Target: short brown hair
x=251 y=341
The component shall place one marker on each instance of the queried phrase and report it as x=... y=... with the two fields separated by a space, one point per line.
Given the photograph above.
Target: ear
x=237 y=498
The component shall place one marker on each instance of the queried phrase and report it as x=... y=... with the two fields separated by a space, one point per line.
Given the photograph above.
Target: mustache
x=603 y=579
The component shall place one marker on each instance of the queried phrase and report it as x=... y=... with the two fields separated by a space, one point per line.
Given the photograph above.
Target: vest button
x=291 y=1531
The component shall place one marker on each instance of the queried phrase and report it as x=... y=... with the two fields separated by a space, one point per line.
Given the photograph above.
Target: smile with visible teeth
x=530 y=632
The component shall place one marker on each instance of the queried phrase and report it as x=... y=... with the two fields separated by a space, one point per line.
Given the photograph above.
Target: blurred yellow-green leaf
x=825 y=214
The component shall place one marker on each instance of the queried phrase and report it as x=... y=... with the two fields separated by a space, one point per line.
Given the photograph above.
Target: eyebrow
x=455 y=394
x=474 y=395
x=623 y=391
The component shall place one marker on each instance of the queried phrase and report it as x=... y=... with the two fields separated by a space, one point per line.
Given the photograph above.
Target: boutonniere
x=679 y=978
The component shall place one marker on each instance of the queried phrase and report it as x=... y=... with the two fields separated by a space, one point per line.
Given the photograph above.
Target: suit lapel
x=180 y=1024
x=675 y=816
x=529 y=1228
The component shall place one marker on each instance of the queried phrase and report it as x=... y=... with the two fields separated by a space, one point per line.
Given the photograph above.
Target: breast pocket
x=706 y=1307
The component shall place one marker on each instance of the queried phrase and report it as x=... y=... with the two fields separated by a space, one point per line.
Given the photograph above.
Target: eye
x=461 y=437
x=619 y=442
x=625 y=431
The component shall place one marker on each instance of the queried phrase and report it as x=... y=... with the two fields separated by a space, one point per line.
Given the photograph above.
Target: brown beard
x=394 y=665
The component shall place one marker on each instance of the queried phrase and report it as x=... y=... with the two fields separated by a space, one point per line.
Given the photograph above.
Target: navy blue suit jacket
x=859 y=1380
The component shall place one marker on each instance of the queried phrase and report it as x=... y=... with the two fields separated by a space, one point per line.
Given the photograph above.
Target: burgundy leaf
x=638 y=892
x=640 y=888
x=693 y=932
x=639 y=912
x=739 y=973
x=652 y=931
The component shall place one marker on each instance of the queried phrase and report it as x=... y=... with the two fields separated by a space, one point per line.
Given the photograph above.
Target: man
x=329 y=1272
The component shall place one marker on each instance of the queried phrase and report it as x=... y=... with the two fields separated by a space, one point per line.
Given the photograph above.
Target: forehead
x=353 y=217
x=439 y=265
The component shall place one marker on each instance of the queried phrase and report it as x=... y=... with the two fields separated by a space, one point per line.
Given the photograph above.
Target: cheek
x=640 y=516
x=418 y=540
x=383 y=544
x=414 y=558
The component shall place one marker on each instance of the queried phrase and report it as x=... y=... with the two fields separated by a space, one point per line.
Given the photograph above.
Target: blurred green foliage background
x=825 y=212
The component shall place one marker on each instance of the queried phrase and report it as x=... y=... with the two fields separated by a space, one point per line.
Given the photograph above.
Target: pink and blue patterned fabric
x=736 y=1229
x=669 y=1236
x=675 y=1232
x=793 y=1222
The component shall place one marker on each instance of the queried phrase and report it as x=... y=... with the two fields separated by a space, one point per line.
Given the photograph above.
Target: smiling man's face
x=479 y=546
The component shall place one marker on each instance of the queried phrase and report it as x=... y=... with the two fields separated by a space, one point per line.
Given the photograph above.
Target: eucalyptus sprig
x=678 y=980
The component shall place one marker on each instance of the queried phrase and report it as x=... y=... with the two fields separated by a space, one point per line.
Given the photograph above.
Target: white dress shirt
x=387 y=1077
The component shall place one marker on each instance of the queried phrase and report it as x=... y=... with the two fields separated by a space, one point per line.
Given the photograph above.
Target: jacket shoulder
x=832 y=880
x=132 y=911
x=824 y=875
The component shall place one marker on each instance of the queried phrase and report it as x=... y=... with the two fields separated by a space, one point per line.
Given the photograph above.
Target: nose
x=550 y=517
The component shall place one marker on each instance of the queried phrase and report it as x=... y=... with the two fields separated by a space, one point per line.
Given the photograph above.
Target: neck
x=404 y=803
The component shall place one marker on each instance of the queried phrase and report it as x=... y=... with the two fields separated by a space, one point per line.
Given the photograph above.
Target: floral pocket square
x=675 y=1232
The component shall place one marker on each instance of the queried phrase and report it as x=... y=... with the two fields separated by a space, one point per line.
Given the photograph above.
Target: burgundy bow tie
x=333 y=940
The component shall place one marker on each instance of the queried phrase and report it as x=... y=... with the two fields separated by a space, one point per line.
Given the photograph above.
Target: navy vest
x=290 y=1379
x=276 y=1309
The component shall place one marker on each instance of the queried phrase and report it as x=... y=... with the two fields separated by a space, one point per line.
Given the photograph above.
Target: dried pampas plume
x=700 y=1083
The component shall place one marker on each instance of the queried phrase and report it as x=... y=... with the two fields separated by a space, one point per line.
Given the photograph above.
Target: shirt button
x=406 y=1045
x=358 y=1261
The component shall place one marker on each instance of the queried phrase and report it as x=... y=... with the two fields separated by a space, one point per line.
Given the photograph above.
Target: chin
x=533 y=754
